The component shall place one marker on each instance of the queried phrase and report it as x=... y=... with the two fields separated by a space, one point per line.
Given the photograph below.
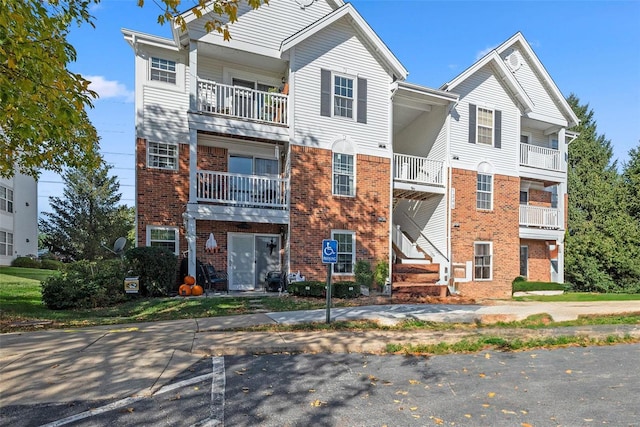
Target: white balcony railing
x=242 y=190
x=541 y=157
x=236 y=101
x=537 y=216
x=419 y=170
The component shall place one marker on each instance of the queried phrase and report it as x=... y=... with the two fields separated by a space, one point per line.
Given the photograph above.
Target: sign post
x=329 y=257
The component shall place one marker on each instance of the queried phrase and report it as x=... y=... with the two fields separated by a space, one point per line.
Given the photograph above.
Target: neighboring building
x=18 y=218
x=278 y=139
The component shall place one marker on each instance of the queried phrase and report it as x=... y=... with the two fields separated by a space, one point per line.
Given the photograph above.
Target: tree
x=43 y=119
x=631 y=182
x=602 y=243
x=88 y=217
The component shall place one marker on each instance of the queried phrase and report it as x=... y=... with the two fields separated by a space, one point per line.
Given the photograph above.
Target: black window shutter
x=325 y=93
x=362 y=100
x=498 y=128
x=472 y=123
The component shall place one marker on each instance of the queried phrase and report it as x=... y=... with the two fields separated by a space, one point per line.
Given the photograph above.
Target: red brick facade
x=315 y=211
x=500 y=226
x=539 y=267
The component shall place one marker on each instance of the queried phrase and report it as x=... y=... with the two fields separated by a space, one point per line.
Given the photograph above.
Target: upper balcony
x=417 y=178
x=542 y=163
x=539 y=222
x=239 y=197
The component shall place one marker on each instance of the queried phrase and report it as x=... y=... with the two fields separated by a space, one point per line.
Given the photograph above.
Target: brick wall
x=539 y=264
x=539 y=198
x=315 y=211
x=499 y=226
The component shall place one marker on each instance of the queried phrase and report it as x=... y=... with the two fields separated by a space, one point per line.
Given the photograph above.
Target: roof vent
x=514 y=60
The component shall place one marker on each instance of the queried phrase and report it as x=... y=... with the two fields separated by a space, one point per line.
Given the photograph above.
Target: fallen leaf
x=482 y=375
x=268 y=393
x=485 y=405
x=396 y=401
x=239 y=372
x=372 y=378
x=130 y=410
x=467 y=415
x=526 y=425
x=196 y=388
x=588 y=419
x=533 y=356
x=487 y=356
x=317 y=403
x=568 y=371
x=437 y=420
x=523 y=412
x=504 y=411
x=312 y=390
x=464 y=370
x=415 y=415
x=491 y=394
x=385 y=382
x=402 y=392
x=413 y=408
x=414 y=382
x=55 y=366
x=176 y=397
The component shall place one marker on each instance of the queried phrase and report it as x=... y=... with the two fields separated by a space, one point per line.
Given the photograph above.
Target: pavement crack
x=92 y=343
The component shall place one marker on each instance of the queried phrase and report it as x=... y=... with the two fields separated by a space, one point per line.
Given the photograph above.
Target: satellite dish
x=118 y=246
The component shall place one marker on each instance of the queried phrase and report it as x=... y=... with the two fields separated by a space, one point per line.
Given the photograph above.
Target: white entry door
x=242 y=262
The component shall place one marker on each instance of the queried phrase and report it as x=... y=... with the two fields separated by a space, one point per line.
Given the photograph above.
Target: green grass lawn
x=579 y=296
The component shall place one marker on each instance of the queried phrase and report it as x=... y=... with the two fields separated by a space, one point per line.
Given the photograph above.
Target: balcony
x=541 y=158
x=242 y=103
x=416 y=177
x=242 y=190
x=540 y=217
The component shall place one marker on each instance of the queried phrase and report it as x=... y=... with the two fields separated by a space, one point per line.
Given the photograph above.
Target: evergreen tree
x=602 y=240
x=88 y=217
x=631 y=182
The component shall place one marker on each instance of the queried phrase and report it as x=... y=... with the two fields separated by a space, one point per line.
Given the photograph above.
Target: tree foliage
x=603 y=240
x=88 y=217
x=43 y=119
x=631 y=182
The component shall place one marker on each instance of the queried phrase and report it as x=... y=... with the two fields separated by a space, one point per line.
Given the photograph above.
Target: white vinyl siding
x=162 y=156
x=484 y=192
x=165 y=114
x=327 y=50
x=346 y=251
x=6 y=199
x=483 y=261
x=164 y=237
x=162 y=70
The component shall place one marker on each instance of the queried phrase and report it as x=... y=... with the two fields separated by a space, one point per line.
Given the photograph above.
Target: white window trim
x=6 y=244
x=551 y=138
x=493 y=125
x=175 y=72
x=8 y=200
x=354 y=99
x=490 y=261
x=177 y=156
x=485 y=192
x=529 y=135
x=162 y=227
x=353 y=252
x=228 y=74
x=333 y=187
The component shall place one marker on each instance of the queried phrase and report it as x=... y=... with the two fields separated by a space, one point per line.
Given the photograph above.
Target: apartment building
x=18 y=217
x=250 y=152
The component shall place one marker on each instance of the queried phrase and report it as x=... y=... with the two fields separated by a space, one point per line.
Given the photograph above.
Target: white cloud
x=483 y=52
x=109 y=88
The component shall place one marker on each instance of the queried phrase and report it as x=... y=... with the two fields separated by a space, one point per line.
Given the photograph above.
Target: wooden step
x=419 y=289
x=416 y=277
x=416 y=268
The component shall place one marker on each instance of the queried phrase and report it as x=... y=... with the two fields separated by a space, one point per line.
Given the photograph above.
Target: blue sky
x=590 y=48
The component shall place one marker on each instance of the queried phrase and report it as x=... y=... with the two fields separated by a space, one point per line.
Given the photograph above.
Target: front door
x=251 y=257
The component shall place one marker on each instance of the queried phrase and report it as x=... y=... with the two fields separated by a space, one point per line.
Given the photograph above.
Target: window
x=482 y=257
x=164 y=237
x=163 y=70
x=6 y=199
x=162 y=156
x=524 y=261
x=343 y=97
x=343 y=175
x=524 y=139
x=524 y=197
x=484 y=193
x=485 y=126
x=6 y=243
x=346 y=251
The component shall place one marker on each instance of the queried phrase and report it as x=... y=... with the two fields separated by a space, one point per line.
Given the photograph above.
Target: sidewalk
x=112 y=362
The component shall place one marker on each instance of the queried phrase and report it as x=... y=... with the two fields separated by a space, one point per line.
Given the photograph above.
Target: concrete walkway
x=113 y=362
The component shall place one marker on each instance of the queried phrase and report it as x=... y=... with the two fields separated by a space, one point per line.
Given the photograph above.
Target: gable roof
x=360 y=25
x=495 y=59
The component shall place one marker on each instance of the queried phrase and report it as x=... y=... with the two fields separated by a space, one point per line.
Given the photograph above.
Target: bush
x=363 y=273
x=155 y=267
x=85 y=284
x=524 y=286
x=381 y=273
x=25 y=262
x=51 y=264
x=307 y=288
x=345 y=290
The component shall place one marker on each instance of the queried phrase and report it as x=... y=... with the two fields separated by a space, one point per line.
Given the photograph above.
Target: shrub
x=155 y=267
x=381 y=273
x=524 y=286
x=345 y=290
x=85 y=284
x=51 y=264
x=363 y=273
x=25 y=262
x=307 y=288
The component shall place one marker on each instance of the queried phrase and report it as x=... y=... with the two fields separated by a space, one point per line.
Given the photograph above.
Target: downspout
x=192 y=205
x=394 y=89
x=449 y=187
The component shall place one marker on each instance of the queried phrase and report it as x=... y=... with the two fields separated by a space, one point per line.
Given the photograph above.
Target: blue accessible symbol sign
x=329 y=251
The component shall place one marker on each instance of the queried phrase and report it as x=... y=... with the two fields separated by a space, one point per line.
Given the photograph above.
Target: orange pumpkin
x=184 y=290
x=189 y=280
x=197 y=290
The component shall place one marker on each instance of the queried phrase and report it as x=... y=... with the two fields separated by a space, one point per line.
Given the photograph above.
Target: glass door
x=241 y=262
x=267 y=256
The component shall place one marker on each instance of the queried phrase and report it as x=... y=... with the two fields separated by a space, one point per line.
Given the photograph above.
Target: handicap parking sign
x=329 y=251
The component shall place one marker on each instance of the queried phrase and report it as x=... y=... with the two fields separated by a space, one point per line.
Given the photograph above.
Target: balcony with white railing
x=247 y=191
x=541 y=158
x=413 y=175
x=540 y=217
x=242 y=103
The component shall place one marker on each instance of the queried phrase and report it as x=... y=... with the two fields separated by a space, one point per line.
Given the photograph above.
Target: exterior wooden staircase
x=417 y=280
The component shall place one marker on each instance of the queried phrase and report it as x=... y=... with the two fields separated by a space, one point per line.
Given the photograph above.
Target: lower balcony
x=540 y=217
x=417 y=178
